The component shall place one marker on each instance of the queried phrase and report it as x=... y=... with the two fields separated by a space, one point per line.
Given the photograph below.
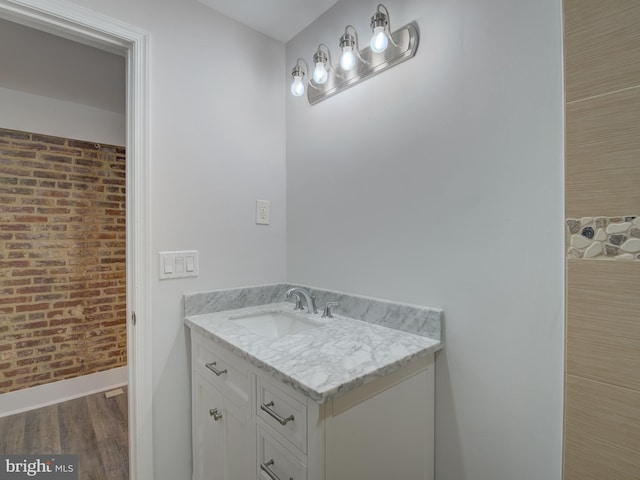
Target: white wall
x=52 y=116
x=54 y=86
x=439 y=183
x=217 y=141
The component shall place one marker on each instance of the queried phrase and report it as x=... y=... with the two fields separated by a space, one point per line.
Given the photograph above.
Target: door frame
x=80 y=24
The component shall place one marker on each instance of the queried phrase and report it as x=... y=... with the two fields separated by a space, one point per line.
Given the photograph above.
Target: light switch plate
x=263 y=212
x=179 y=264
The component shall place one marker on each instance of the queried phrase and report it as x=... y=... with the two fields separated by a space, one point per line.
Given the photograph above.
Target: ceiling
x=279 y=19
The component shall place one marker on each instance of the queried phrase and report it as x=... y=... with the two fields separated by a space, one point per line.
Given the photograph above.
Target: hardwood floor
x=93 y=427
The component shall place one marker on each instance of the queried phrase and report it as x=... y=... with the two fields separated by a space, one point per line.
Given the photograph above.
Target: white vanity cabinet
x=222 y=420
x=381 y=430
x=378 y=431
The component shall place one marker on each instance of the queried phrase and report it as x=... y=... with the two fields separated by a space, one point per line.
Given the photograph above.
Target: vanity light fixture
x=320 y=59
x=298 y=73
x=386 y=50
x=381 y=30
x=347 y=42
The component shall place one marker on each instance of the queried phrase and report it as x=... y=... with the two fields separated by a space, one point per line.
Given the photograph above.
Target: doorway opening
x=84 y=26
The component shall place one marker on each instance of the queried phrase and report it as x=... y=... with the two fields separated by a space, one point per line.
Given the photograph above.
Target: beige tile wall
x=602 y=431
x=602 y=175
x=602 y=47
x=602 y=146
x=603 y=327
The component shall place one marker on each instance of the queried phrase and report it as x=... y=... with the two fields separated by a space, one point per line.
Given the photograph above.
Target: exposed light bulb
x=348 y=59
x=379 y=40
x=297 y=87
x=320 y=74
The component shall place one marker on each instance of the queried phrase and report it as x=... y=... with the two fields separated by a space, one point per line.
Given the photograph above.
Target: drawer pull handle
x=265 y=468
x=212 y=366
x=266 y=407
x=215 y=414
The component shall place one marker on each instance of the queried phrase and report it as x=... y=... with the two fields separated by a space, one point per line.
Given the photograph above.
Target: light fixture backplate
x=407 y=39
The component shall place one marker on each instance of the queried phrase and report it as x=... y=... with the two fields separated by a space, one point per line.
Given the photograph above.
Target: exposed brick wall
x=62 y=259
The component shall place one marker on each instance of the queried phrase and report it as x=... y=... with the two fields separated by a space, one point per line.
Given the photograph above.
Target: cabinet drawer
x=276 y=462
x=285 y=414
x=222 y=369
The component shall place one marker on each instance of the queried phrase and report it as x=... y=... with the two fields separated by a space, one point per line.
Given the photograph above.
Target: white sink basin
x=274 y=324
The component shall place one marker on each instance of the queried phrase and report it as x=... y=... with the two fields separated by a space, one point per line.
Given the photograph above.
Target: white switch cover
x=263 y=212
x=178 y=264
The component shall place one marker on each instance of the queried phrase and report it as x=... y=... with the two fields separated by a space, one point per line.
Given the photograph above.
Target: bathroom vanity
x=284 y=394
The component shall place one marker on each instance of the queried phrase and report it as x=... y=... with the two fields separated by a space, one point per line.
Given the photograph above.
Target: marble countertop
x=323 y=362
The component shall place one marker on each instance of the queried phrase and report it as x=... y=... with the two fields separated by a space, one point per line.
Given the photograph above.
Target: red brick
x=32 y=307
x=15 y=228
x=32 y=360
x=48 y=349
x=16 y=209
x=30 y=218
x=34 y=289
x=66 y=372
x=32 y=343
x=30 y=326
x=19 y=372
x=14 y=300
x=14 y=263
x=31 y=272
x=61 y=364
x=28 y=145
x=67 y=338
x=14 y=134
x=60 y=216
x=48 y=139
x=83 y=145
x=32 y=236
x=57 y=158
x=16 y=190
x=34 y=380
x=17 y=282
x=17 y=153
x=49 y=297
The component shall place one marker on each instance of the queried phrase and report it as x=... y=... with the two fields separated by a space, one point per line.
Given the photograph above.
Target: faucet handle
x=327 y=309
x=298 y=302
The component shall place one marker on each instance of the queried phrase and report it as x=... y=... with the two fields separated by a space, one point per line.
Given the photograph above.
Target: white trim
x=83 y=25
x=56 y=392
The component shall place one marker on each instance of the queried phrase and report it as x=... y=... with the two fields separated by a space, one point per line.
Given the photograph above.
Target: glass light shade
x=320 y=74
x=379 y=40
x=297 y=87
x=347 y=59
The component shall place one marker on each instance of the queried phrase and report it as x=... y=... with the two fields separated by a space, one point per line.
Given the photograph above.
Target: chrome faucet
x=311 y=301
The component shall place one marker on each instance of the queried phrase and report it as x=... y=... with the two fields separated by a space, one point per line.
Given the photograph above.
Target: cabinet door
x=208 y=435
x=222 y=448
x=239 y=453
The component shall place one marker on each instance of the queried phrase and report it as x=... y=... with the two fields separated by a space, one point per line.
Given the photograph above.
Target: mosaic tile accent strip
x=615 y=238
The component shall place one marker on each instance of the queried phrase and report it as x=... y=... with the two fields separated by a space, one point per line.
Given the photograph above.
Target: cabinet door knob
x=265 y=468
x=266 y=407
x=212 y=366
x=215 y=414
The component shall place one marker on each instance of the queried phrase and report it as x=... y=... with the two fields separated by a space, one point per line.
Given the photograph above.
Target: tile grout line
x=593 y=97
